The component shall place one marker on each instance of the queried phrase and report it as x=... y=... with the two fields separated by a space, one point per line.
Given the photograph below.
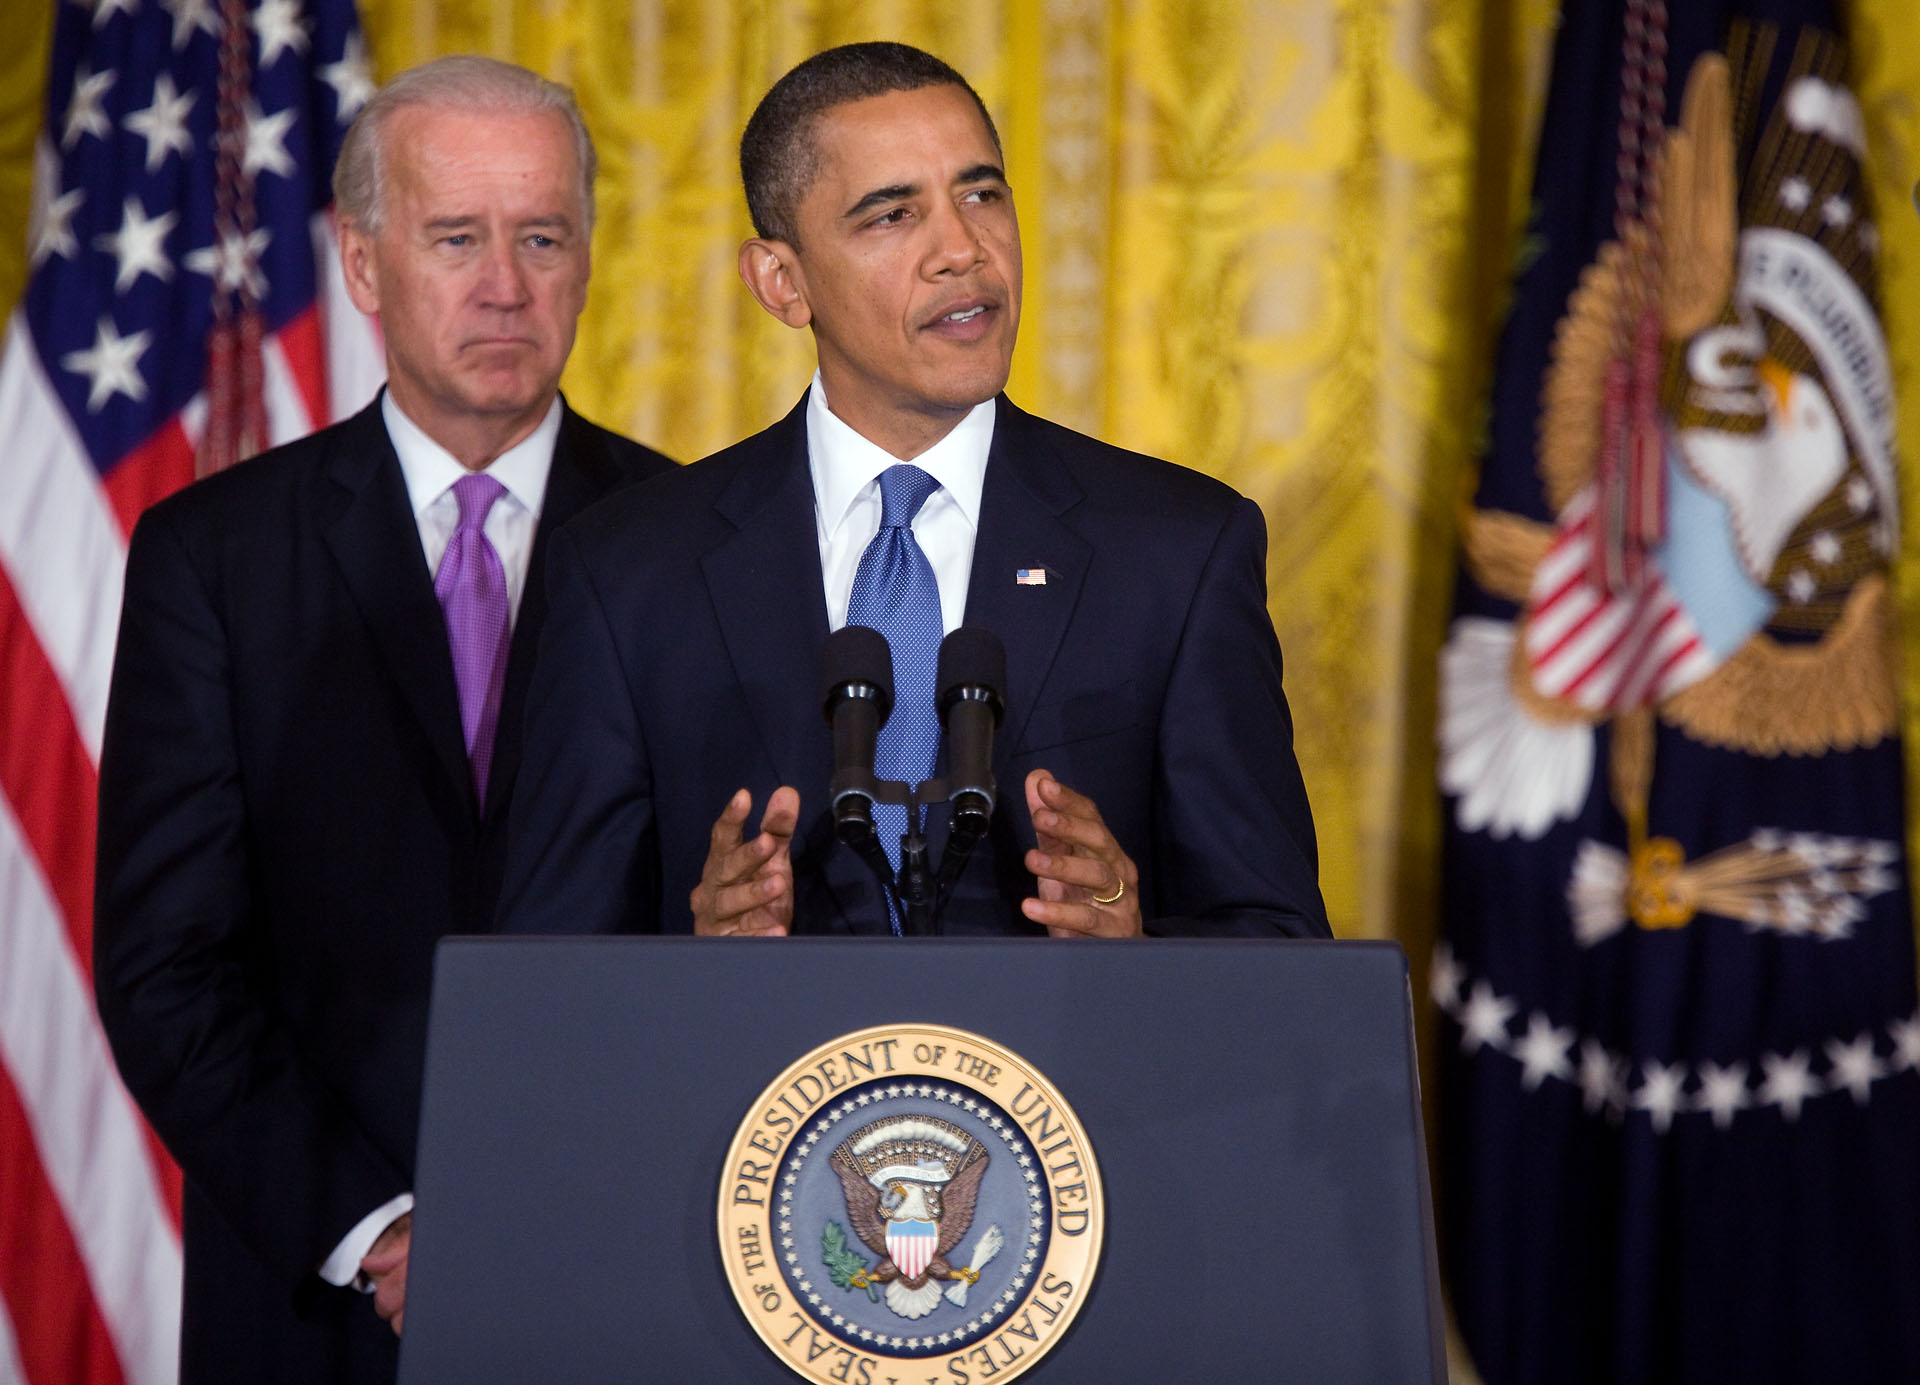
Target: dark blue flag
x=1680 y=1099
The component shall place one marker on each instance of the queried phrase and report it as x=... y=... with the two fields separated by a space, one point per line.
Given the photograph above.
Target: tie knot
x=903 y=490
x=475 y=495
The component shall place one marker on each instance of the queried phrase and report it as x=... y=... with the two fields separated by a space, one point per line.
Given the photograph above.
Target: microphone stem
x=915 y=892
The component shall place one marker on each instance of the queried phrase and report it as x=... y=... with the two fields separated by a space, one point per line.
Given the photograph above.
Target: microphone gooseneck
x=856 y=696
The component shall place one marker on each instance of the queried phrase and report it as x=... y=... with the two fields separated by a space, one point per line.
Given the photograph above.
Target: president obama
x=1146 y=763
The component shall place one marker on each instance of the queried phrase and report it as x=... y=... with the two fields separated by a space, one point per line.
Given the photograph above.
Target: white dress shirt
x=430 y=471
x=846 y=502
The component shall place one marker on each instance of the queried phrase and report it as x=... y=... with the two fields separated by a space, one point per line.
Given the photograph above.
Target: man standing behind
x=1146 y=766
x=313 y=731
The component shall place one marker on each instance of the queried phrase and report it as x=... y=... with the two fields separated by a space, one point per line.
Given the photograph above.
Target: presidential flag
x=1680 y=1096
x=183 y=310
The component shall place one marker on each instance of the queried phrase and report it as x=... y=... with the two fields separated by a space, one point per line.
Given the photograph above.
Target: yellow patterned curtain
x=1266 y=238
x=1263 y=239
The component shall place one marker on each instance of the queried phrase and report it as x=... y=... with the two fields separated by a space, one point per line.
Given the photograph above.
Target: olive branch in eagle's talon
x=847 y=1270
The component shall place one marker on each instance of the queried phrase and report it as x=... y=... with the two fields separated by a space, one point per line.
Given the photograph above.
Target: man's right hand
x=386 y=1266
x=747 y=886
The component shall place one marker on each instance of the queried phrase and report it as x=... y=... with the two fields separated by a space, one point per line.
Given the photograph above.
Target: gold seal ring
x=1119 y=889
x=804 y=1236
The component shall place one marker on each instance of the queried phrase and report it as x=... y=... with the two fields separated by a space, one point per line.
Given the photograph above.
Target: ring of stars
x=1664 y=1092
x=801 y=1281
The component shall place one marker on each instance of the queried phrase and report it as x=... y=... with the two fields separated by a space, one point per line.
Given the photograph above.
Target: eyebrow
x=879 y=196
x=461 y=223
x=979 y=173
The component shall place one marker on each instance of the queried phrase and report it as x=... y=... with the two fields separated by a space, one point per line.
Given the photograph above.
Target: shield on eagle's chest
x=911 y=1244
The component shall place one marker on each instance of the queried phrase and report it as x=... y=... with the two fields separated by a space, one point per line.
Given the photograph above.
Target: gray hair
x=464 y=82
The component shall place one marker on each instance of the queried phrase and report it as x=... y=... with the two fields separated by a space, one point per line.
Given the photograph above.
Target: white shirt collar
x=430 y=470
x=844 y=463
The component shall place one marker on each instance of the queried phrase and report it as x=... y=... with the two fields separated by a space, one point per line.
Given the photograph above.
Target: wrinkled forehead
x=434 y=153
x=426 y=138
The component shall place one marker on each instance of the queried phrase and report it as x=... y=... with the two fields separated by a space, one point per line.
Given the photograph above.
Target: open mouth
x=966 y=314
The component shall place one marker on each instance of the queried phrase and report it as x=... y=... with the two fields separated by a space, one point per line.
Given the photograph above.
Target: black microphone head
x=856 y=654
x=972 y=657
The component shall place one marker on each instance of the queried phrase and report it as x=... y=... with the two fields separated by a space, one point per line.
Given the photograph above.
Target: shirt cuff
x=342 y=1268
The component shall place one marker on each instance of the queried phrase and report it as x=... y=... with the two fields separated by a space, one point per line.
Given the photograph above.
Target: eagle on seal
x=910 y=1184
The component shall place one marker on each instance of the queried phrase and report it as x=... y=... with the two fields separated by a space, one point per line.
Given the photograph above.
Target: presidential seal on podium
x=910 y=1202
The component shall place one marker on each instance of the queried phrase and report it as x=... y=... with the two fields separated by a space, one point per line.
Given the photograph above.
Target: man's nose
x=503 y=279
x=956 y=244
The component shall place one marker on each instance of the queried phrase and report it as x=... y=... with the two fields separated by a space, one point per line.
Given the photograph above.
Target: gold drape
x=1263 y=239
x=1267 y=238
x=1886 y=62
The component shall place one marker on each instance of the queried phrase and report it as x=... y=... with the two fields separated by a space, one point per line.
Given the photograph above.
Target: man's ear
x=771 y=272
x=356 y=264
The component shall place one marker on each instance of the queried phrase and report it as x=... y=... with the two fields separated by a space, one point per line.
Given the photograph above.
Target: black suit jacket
x=287 y=825
x=682 y=662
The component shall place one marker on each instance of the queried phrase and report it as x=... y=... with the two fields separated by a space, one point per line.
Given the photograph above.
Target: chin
x=506 y=397
x=964 y=389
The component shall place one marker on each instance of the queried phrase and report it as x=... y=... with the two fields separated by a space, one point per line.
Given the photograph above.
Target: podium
x=1252 y=1108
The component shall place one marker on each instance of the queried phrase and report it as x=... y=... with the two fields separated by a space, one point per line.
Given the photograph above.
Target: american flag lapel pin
x=1030 y=577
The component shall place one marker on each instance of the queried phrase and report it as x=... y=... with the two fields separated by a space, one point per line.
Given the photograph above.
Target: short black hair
x=778 y=156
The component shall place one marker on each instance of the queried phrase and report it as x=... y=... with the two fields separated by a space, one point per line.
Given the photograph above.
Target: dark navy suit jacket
x=287 y=826
x=682 y=662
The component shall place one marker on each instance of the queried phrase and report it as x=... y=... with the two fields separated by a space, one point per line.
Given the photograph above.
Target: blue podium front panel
x=1251 y=1106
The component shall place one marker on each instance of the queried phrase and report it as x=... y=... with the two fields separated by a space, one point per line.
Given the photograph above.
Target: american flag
x=180 y=217
x=1608 y=650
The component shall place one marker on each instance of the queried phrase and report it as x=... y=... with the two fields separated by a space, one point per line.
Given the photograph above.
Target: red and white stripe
x=911 y=1243
x=89 y=1202
x=1607 y=651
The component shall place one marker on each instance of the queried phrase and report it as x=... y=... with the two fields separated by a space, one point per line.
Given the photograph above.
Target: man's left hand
x=386 y=1266
x=1088 y=886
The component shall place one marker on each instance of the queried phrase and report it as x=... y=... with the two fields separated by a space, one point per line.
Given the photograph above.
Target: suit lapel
x=1028 y=488
x=375 y=542
x=767 y=593
x=580 y=475
x=770 y=600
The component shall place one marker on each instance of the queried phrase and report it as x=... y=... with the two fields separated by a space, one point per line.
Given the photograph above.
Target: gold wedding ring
x=1119 y=889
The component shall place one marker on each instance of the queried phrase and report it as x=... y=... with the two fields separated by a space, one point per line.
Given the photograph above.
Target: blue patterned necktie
x=894 y=593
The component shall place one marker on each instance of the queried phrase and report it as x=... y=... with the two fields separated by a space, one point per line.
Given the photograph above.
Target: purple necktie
x=472 y=587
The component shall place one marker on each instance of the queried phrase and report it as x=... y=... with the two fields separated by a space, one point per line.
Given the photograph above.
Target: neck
x=474 y=440
x=902 y=434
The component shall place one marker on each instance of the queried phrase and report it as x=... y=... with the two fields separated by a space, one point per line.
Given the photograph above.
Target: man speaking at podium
x=1145 y=756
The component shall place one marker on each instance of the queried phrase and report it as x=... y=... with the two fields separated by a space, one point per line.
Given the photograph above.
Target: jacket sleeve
x=179 y=975
x=1233 y=841
x=582 y=854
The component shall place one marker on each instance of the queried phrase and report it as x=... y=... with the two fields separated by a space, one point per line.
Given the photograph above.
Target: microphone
x=856 y=676
x=971 y=673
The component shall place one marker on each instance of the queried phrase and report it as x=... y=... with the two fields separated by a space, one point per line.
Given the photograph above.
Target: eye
x=541 y=242
x=893 y=216
x=458 y=239
x=989 y=193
